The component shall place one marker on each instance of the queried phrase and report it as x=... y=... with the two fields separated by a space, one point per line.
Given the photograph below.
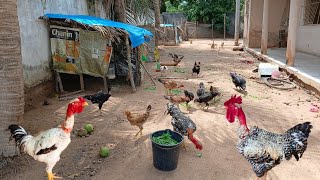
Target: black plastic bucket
x=165 y=157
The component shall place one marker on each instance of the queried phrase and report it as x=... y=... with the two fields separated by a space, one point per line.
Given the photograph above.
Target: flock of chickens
x=262 y=149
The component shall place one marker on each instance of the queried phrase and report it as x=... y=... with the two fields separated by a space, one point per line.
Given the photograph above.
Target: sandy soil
x=131 y=158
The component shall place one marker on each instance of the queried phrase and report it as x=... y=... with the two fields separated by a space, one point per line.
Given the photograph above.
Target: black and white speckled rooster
x=263 y=149
x=183 y=124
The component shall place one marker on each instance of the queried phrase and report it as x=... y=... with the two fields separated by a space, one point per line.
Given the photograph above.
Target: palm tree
x=11 y=75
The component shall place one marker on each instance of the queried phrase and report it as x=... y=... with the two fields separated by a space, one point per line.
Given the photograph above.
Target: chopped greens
x=165 y=139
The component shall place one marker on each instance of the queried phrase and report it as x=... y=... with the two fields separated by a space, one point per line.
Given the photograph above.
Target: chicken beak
x=85 y=104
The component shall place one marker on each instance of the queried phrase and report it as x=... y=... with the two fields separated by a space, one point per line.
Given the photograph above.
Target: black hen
x=207 y=96
x=238 y=81
x=99 y=98
x=201 y=90
x=189 y=95
x=196 y=68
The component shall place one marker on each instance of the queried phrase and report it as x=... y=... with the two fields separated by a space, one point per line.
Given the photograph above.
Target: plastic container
x=165 y=157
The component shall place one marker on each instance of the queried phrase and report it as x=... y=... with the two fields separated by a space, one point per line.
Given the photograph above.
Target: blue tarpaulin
x=137 y=35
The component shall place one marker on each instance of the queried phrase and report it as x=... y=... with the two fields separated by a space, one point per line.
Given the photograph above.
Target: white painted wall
x=35 y=43
x=308 y=39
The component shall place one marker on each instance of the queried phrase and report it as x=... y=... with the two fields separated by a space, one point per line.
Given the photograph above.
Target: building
x=288 y=31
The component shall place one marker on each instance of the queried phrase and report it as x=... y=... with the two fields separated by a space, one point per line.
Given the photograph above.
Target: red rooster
x=47 y=146
x=263 y=149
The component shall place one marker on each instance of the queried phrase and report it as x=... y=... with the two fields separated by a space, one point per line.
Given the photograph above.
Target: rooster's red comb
x=233 y=100
x=81 y=99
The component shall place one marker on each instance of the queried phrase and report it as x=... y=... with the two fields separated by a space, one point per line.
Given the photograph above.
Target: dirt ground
x=131 y=158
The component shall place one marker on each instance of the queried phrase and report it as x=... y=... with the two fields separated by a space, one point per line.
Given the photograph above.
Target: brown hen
x=170 y=85
x=138 y=118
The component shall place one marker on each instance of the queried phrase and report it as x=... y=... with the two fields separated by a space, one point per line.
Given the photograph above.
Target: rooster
x=238 y=81
x=170 y=85
x=48 y=145
x=263 y=149
x=183 y=124
x=196 y=68
x=99 y=98
x=138 y=119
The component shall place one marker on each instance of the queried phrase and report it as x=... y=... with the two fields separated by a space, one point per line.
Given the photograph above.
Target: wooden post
x=245 y=27
x=292 y=31
x=224 y=26
x=196 y=29
x=130 y=73
x=265 y=27
x=59 y=82
x=105 y=84
x=237 y=23
x=81 y=82
x=212 y=29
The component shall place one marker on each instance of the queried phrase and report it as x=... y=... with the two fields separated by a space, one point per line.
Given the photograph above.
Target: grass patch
x=150 y=89
x=180 y=70
x=176 y=91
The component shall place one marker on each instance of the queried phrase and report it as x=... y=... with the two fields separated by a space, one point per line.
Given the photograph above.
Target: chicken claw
x=52 y=176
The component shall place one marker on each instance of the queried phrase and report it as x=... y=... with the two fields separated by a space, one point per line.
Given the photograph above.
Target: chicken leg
x=51 y=176
x=184 y=145
x=139 y=132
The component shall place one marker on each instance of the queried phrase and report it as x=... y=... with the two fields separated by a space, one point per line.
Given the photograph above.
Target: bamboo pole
x=129 y=64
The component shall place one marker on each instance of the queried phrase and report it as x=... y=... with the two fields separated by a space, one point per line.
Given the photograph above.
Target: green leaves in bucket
x=164 y=139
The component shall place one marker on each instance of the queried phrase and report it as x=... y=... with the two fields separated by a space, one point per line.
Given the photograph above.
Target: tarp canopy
x=137 y=35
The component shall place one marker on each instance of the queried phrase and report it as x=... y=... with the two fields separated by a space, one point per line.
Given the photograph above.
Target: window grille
x=312 y=12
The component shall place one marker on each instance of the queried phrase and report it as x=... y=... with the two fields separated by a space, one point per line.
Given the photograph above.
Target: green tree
x=204 y=11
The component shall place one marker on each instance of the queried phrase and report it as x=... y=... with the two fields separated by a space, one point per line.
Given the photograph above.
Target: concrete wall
x=36 y=55
x=278 y=16
x=308 y=39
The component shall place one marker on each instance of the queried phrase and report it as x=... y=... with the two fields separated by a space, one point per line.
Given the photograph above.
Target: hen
x=183 y=124
x=263 y=149
x=170 y=85
x=99 y=98
x=138 y=119
x=238 y=81
x=201 y=90
x=188 y=96
x=206 y=97
x=48 y=145
x=196 y=68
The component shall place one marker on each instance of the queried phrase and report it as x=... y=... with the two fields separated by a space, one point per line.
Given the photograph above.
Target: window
x=312 y=12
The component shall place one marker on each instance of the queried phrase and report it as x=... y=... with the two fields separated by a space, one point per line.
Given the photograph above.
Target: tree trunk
x=11 y=75
x=120 y=11
x=157 y=15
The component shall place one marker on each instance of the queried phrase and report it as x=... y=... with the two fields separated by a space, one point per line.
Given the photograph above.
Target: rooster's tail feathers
x=18 y=133
x=298 y=145
x=305 y=128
